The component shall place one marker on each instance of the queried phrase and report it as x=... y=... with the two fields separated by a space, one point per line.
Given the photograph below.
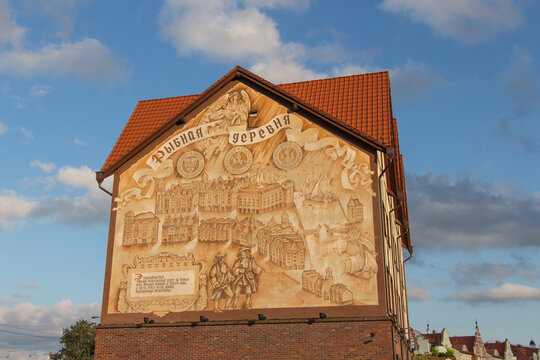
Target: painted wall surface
x=246 y=206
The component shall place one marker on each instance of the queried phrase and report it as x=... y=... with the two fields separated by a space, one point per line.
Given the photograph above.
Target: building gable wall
x=285 y=164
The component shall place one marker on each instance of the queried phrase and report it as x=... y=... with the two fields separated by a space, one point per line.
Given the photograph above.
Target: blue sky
x=465 y=88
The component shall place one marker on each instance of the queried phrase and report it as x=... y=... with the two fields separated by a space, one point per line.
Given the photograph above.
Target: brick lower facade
x=323 y=339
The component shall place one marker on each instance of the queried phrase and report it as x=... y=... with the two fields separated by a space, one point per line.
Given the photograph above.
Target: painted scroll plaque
x=163 y=283
x=223 y=216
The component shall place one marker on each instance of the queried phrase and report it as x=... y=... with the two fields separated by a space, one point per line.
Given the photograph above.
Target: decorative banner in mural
x=207 y=130
x=233 y=211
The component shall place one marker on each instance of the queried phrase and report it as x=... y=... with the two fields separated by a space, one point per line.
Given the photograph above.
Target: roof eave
x=237 y=73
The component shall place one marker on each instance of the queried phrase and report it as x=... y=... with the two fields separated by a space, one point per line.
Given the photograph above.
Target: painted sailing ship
x=360 y=259
x=266 y=176
x=318 y=188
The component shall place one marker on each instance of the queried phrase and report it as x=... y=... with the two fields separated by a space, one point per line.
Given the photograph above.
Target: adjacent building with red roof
x=471 y=347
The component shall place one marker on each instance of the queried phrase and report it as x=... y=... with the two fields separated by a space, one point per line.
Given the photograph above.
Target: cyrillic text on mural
x=163 y=283
x=353 y=175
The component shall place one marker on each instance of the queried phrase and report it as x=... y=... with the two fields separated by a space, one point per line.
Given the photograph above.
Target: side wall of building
x=396 y=289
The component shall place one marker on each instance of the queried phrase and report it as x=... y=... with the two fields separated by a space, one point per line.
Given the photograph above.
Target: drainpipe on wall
x=401 y=235
x=390 y=151
x=100 y=178
x=400 y=198
x=391 y=154
x=404 y=290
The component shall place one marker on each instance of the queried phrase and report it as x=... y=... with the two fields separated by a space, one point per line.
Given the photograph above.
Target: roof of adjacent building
x=519 y=351
x=523 y=352
x=499 y=346
x=459 y=341
x=432 y=337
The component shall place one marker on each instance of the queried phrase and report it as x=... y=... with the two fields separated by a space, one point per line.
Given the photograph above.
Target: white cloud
x=43 y=321
x=273 y=4
x=469 y=21
x=418 y=293
x=77 y=177
x=29 y=286
x=79 y=142
x=236 y=30
x=20 y=296
x=466 y=274
x=10 y=32
x=85 y=59
x=45 y=167
x=14 y=209
x=413 y=80
x=240 y=31
x=3 y=128
x=520 y=84
x=505 y=293
x=281 y=71
x=219 y=28
x=90 y=207
x=459 y=213
x=40 y=90
x=351 y=69
x=61 y=11
x=27 y=133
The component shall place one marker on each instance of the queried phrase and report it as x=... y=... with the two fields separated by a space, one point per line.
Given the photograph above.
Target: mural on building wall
x=247 y=206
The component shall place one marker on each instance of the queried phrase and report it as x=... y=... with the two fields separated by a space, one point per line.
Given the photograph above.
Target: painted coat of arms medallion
x=287 y=155
x=238 y=160
x=190 y=164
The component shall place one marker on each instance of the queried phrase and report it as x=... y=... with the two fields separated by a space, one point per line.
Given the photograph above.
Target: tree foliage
x=78 y=342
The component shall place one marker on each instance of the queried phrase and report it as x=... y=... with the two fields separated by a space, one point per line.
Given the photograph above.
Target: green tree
x=78 y=342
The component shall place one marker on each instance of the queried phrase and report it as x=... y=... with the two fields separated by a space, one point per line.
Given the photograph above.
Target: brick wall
x=263 y=340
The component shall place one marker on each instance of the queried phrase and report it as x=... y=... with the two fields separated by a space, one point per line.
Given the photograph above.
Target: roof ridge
x=169 y=97
x=289 y=83
x=151 y=115
x=334 y=77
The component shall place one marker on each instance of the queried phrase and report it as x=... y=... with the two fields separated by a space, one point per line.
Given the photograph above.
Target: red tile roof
x=459 y=341
x=433 y=337
x=523 y=352
x=499 y=346
x=147 y=118
x=361 y=102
